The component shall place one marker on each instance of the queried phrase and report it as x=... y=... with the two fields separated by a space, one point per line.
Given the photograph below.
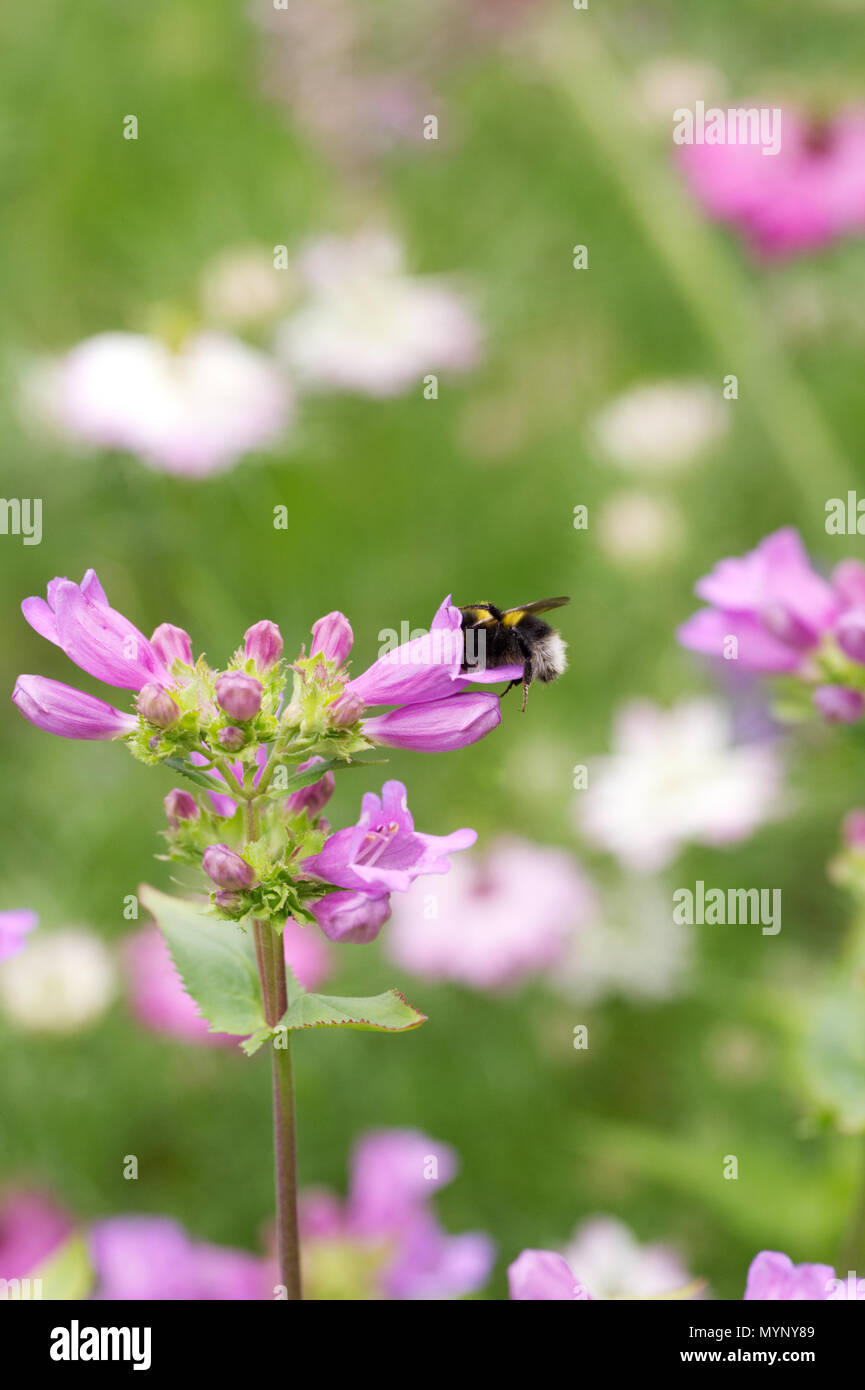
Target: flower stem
x=271 y=966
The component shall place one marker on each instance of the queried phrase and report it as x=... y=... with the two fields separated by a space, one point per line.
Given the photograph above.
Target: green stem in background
x=853 y=1245
x=572 y=56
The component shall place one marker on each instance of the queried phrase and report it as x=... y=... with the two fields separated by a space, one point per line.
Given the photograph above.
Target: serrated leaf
x=195 y=774
x=215 y=959
x=384 y=1013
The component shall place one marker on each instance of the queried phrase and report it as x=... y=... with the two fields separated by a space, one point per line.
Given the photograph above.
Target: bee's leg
x=510 y=685
x=527 y=680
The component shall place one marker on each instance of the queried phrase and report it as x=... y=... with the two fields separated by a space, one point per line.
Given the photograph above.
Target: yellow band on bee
x=511 y=619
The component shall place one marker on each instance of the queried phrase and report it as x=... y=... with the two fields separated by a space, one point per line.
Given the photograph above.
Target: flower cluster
x=773 y=613
x=265 y=755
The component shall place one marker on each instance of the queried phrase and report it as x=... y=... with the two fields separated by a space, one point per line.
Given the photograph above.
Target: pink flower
x=332 y=638
x=811 y=192
x=495 y=920
x=60 y=709
x=191 y=412
x=437 y=726
x=353 y=917
x=79 y=619
x=537 y=1275
x=153 y=1258
x=774 y=1276
x=384 y=853
x=14 y=926
x=31 y=1229
x=770 y=600
x=386 y=1228
x=159 y=1001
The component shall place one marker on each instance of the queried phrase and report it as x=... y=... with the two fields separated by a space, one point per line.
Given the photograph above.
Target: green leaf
x=381 y=1013
x=314 y=774
x=195 y=774
x=216 y=961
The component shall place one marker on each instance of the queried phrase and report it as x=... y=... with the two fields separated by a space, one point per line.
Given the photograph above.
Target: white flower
x=661 y=428
x=674 y=777
x=637 y=530
x=631 y=948
x=605 y=1256
x=63 y=981
x=195 y=411
x=368 y=327
x=244 y=286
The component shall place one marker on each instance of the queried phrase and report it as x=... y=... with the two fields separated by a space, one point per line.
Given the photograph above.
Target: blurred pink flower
x=383 y=1241
x=808 y=194
x=14 y=926
x=159 y=1001
x=773 y=1276
x=614 y=1264
x=496 y=919
x=367 y=326
x=152 y=1257
x=192 y=412
x=31 y=1228
x=543 y=1276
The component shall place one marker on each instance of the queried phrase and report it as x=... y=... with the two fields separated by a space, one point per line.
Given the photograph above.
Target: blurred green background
x=392 y=505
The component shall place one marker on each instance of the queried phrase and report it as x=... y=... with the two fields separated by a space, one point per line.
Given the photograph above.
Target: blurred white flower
x=637 y=530
x=193 y=412
x=665 y=84
x=607 y=1258
x=494 y=919
x=367 y=326
x=62 y=982
x=674 y=777
x=630 y=948
x=663 y=427
x=243 y=286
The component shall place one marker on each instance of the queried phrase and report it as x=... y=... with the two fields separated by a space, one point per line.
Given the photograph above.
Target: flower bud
x=239 y=695
x=313 y=798
x=228 y=901
x=850 y=632
x=231 y=739
x=264 y=644
x=172 y=644
x=226 y=868
x=346 y=709
x=332 y=637
x=838 y=704
x=180 y=805
x=156 y=706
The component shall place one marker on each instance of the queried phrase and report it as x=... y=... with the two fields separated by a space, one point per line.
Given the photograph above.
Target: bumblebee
x=513 y=637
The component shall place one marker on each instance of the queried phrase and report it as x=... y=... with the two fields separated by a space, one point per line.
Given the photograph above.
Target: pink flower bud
x=226 y=868
x=231 y=739
x=351 y=916
x=228 y=901
x=264 y=644
x=332 y=637
x=850 y=632
x=172 y=644
x=346 y=709
x=239 y=695
x=838 y=704
x=180 y=805
x=313 y=798
x=156 y=706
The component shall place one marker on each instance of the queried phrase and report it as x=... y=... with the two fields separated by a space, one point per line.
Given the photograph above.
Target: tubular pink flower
x=437 y=726
x=770 y=600
x=180 y=805
x=60 y=709
x=838 y=704
x=426 y=668
x=351 y=916
x=774 y=1276
x=332 y=637
x=39 y=612
x=95 y=636
x=156 y=706
x=384 y=853
x=226 y=868
x=239 y=695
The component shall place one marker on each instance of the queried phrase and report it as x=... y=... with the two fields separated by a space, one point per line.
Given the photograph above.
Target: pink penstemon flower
x=259 y=742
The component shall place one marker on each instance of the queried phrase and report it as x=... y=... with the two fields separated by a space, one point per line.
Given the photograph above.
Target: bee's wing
x=479 y=613
x=540 y=605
